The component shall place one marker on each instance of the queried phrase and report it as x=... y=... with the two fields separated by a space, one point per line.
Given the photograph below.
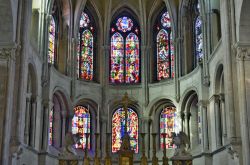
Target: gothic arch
x=217 y=78
x=191 y=118
x=244 y=22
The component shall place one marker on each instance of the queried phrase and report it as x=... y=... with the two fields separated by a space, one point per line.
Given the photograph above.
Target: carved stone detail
x=5 y=53
x=243 y=53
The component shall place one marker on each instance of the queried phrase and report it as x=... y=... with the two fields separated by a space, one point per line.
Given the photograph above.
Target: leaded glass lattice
x=165 y=58
x=168 y=124
x=86 y=59
x=125 y=51
x=118 y=129
x=51 y=115
x=85 y=49
x=132 y=58
x=198 y=38
x=81 y=126
x=52 y=39
x=117 y=59
x=84 y=20
x=124 y=24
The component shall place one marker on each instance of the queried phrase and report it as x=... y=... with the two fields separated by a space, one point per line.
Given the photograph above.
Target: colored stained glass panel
x=117 y=61
x=198 y=38
x=118 y=129
x=86 y=58
x=124 y=24
x=165 y=20
x=168 y=124
x=81 y=126
x=132 y=59
x=51 y=46
x=172 y=55
x=163 y=68
x=51 y=115
x=84 y=20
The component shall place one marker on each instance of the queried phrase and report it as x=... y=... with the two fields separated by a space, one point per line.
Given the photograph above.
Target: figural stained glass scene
x=81 y=126
x=118 y=129
x=125 y=51
x=164 y=47
x=85 y=49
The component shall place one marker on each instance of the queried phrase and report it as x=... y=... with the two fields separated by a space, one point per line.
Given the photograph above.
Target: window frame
x=113 y=30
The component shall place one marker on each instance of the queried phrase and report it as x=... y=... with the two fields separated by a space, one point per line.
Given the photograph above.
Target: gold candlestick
x=154 y=158
x=107 y=157
x=144 y=160
x=165 y=158
x=97 y=159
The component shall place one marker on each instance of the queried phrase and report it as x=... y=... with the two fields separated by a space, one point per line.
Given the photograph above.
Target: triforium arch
x=117 y=123
x=220 y=111
x=161 y=125
x=191 y=118
x=31 y=106
x=59 y=117
x=91 y=107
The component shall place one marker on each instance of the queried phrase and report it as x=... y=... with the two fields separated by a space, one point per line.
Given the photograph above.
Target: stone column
x=217 y=120
x=243 y=56
x=204 y=120
x=223 y=117
x=27 y=120
x=146 y=121
x=64 y=116
x=33 y=122
x=47 y=106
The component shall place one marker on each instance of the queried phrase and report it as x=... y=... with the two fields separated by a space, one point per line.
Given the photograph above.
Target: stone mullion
x=63 y=125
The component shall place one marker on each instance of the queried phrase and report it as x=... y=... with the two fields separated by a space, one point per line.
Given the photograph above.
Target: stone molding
x=203 y=103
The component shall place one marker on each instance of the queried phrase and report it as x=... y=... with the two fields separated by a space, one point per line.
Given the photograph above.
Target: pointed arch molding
x=244 y=23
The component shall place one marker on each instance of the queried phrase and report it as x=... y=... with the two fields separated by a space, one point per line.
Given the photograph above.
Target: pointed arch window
x=81 y=126
x=52 y=42
x=164 y=47
x=118 y=129
x=125 y=51
x=168 y=124
x=85 y=49
x=198 y=35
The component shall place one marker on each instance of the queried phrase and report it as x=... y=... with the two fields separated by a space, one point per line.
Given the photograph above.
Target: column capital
x=202 y=103
x=242 y=51
x=216 y=98
x=222 y=96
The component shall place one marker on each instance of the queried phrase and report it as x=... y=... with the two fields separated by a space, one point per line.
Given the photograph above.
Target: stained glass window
x=52 y=40
x=164 y=47
x=132 y=58
x=51 y=116
x=125 y=51
x=117 y=61
x=198 y=38
x=81 y=126
x=168 y=124
x=124 y=24
x=85 y=48
x=118 y=129
x=198 y=33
